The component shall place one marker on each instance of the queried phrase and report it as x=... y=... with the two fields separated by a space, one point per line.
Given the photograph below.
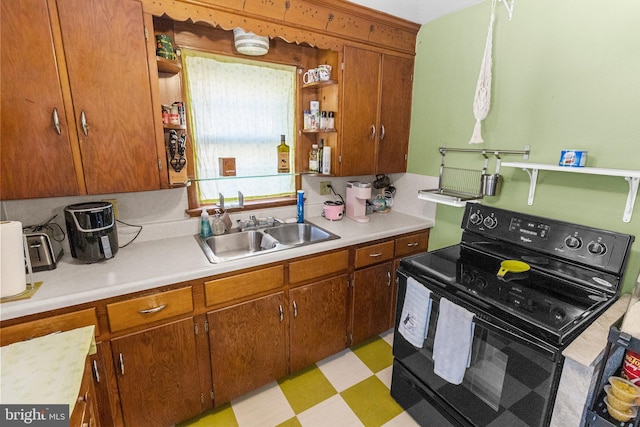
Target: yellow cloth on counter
x=45 y=370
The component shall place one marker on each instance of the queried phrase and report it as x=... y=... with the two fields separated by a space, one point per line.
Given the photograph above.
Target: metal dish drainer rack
x=457 y=186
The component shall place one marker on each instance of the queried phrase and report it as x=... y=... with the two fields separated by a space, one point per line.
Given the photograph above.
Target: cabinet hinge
x=146 y=34
x=159 y=164
x=211 y=394
x=202 y=398
x=342 y=66
x=340 y=159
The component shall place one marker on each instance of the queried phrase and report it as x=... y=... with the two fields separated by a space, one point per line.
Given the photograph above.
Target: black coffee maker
x=92 y=232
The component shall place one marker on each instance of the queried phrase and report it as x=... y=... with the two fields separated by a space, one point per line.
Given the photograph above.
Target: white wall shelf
x=632 y=177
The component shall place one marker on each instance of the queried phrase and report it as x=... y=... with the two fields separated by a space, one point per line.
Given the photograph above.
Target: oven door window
x=508 y=383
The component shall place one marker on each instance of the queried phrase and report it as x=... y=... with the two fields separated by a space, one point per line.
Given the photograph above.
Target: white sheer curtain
x=239 y=108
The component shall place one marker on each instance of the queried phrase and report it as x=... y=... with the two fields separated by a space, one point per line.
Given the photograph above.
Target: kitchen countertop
x=46 y=370
x=150 y=264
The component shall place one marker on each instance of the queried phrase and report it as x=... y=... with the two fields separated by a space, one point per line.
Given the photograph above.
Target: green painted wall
x=566 y=74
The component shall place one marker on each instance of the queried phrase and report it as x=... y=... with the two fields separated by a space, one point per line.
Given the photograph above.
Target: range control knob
x=573 y=242
x=475 y=218
x=490 y=222
x=597 y=248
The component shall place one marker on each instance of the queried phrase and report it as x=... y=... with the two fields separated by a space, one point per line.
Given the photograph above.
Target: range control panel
x=587 y=245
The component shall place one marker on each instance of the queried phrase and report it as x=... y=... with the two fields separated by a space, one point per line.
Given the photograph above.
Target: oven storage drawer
x=407 y=390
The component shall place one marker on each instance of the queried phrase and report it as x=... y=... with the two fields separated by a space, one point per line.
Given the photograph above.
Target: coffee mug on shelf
x=324 y=72
x=310 y=76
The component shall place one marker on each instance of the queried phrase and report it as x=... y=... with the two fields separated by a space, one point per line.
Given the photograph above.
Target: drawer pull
x=411 y=245
x=377 y=254
x=153 y=310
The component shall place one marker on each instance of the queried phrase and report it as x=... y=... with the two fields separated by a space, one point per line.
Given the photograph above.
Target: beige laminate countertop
x=150 y=264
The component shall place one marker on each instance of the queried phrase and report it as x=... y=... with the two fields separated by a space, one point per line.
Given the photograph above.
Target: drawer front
x=48 y=325
x=243 y=285
x=373 y=254
x=414 y=243
x=323 y=265
x=151 y=308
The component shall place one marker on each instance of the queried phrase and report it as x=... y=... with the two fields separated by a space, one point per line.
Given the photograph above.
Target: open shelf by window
x=319 y=84
x=168 y=66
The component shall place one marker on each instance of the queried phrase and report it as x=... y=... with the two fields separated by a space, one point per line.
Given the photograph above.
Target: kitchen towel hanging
x=453 y=342
x=13 y=279
x=482 y=98
x=416 y=310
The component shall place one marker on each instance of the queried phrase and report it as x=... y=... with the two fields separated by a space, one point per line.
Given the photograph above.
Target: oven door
x=511 y=381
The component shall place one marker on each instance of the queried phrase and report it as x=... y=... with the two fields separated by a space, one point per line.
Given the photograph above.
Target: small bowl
x=623 y=416
x=623 y=389
x=620 y=405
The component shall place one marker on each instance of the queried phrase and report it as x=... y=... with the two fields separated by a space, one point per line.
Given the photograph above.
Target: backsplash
x=162 y=213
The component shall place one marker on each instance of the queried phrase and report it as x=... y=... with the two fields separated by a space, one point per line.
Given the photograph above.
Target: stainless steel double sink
x=242 y=244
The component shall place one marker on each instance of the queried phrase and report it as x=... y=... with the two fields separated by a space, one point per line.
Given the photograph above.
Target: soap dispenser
x=205 y=227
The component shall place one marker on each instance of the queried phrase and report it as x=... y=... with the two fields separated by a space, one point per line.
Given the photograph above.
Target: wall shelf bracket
x=631 y=198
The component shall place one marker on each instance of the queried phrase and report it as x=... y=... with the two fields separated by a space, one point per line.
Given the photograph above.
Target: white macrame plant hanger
x=482 y=99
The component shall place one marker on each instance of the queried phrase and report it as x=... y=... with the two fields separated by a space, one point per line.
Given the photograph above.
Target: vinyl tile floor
x=348 y=389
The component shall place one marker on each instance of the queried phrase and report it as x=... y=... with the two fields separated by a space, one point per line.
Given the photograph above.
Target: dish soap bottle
x=283 y=156
x=218 y=225
x=205 y=227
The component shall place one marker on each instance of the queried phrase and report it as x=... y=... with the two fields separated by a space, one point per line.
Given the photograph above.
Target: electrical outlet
x=325 y=188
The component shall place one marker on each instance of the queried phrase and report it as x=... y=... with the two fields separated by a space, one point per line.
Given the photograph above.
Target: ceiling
x=418 y=11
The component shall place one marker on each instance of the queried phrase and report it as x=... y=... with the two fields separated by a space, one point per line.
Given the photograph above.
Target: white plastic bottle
x=205 y=226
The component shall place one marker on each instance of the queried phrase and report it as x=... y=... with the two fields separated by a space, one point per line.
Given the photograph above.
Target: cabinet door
x=36 y=160
x=361 y=79
x=319 y=321
x=395 y=114
x=106 y=57
x=248 y=346
x=158 y=375
x=372 y=301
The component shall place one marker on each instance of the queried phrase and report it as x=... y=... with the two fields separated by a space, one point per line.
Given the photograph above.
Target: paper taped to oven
x=453 y=342
x=416 y=310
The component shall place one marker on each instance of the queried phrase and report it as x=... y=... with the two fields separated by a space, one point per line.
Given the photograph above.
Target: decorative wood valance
x=326 y=24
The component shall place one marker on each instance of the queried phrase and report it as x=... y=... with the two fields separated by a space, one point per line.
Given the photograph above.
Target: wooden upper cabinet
x=106 y=57
x=395 y=114
x=36 y=159
x=361 y=79
x=377 y=91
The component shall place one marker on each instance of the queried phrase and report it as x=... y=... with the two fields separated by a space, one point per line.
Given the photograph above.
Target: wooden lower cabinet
x=85 y=411
x=157 y=374
x=248 y=344
x=318 y=321
x=372 y=301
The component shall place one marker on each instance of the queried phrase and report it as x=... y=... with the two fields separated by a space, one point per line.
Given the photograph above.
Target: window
x=239 y=108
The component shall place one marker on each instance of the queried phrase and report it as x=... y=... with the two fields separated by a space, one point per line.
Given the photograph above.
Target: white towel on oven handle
x=453 y=342
x=416 y=310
